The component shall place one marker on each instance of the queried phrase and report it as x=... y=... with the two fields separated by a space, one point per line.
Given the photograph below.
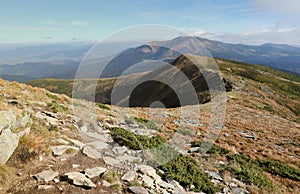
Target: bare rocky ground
x=59 y=149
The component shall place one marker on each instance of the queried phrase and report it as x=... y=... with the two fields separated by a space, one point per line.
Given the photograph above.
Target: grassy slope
x=285 y=86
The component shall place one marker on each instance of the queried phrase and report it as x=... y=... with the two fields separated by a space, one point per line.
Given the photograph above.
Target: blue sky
x=246 y=21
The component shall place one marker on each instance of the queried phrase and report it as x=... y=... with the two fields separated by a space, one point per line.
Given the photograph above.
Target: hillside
x=283 y=88
x=96 y=148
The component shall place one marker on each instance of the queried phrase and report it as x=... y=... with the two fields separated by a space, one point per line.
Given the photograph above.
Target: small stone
x=239 y=191
x=75 y=165
x=56 y=180
x=45 y=187
x=93 y=172
x=138 y=190
x=105 y=183
x=215 y=175
x=61 y=149
x=79 y=179
x=129 y=176
x=46 y=176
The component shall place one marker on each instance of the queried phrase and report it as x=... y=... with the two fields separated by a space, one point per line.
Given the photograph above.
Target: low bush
x=247 y=170
x=104 y=106
x=278 y=168
x=185 y=170
x=147 y=123
x=135 y=141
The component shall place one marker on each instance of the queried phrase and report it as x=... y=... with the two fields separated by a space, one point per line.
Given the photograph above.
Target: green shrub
x=104 y=106
x=161 y=155
x=53 y=128
x=247 y=170
x=135 y=141
x=53 y=97
x=147 y=123
x=278 y=168
x=215 y=149
x=185 y=170
x=55 y=107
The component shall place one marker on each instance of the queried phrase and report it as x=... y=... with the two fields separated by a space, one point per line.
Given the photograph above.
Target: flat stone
x=129 y=176
x=46 y=176
x=98 y=145
x=61 y=149
x=111 y=161
x=77 y=143
x=138 y=190
x=79 y=179
x=164 y=184
x=91 y=152
x=94 y=172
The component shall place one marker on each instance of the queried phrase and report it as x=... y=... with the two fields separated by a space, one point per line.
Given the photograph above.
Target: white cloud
x=282 y=6
x=286 y=29
x=36 y=29
x=49 y=22
x=79 y=23
x=273 y=35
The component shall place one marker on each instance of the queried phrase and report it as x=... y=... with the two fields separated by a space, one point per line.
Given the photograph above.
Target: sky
x=236 y=21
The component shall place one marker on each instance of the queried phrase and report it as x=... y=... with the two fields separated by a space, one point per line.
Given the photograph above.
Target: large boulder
x=9 y=138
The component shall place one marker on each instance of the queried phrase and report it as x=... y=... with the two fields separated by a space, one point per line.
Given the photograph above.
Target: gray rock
x=61 y=149
x=111 y=161
x=91 y=152
x=105 y=183
x=215 y=175
x=138 y=190
x=178 y=189
x=149 y=182
x=239 y=191
x=8 y=143
x=7 y=119
x=119 y=150
x=148 y=170
x=94 y=172
x=164 y=184
x=77 y=143
x=46 y=176
x=78 y=179
x=129 y=176
x=128 y=158
x=98 y=145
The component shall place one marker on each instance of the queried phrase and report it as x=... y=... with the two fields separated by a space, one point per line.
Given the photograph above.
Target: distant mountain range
x=62 y=60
